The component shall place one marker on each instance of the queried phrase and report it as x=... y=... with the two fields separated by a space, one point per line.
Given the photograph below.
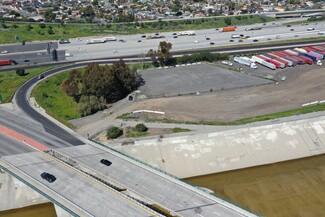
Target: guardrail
x=230 y=205
x=42 y=193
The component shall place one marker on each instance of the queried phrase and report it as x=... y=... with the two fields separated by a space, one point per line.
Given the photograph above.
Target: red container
x=5 y=62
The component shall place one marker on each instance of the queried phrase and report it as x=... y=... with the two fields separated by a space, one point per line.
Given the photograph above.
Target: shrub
x=20 y=72
x=114 y=133
x=50 y=31
x=42 y=25
x=141 y=128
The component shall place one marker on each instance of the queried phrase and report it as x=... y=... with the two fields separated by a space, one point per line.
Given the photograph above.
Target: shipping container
x=281 y=59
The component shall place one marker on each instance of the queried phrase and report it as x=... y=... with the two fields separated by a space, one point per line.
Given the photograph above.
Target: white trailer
x=263 y=62
x=292 y=52
x=246 y=62
x=315 y=53
x=110 y=39
x=96 y=41
x=186 y=33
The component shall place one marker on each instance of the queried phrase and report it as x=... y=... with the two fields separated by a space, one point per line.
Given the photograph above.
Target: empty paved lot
x=195 y=78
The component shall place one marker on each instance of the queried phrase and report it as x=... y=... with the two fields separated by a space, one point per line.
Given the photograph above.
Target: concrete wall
x=17 y=48
x=202 y=154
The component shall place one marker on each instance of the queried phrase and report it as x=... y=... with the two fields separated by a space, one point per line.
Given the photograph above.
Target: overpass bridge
x=85 y=187
x=298 y=13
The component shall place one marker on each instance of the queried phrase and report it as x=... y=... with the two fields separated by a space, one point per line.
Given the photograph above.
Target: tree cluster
x=99 y=85
x=162 y=55
x=203 y=56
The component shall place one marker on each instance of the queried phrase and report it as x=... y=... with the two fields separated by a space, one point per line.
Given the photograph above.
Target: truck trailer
x=96 y=41
x=5 y=62
x=228 y=29
x=263 y=62
x=246 y=62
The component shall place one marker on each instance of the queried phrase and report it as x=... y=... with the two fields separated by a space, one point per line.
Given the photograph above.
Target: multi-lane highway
x=135 y=44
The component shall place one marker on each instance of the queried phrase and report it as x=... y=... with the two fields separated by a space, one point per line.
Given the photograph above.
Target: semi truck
x=227 y=29
x=183 y=33
x=246 y=62
x=263 y=62
x=96 y=41
x=110 y=39
x=5 y=62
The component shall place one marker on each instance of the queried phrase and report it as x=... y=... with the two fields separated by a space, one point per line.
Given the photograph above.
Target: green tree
x=91 y=104
x=20 y=72
x=114 y=133
x=163 y=52
x=42 y=25
x=228 y=21
x=87 y=12
x=141 y=128
x=71 y=86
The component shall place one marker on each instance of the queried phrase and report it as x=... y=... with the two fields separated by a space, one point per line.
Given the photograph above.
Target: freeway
x=11 y=146
x=136 y=45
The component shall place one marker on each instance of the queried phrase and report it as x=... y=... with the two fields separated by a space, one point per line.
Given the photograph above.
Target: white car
x=68 y=54
x=115 y=51
x=4 y=51
x=195 y=42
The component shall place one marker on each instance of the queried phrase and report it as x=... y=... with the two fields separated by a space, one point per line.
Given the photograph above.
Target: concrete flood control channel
x=286 y=189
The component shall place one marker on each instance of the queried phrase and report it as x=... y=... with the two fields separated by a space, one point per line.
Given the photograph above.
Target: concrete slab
x=163 y=190
x=194 y=78
x=80 y=190
x=208 y=153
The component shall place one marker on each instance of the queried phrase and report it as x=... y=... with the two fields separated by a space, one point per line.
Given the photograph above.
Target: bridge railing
x=212 y=196
x=42 y=193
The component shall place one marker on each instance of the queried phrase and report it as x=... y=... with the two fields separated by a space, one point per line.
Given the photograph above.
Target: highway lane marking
x=24 y=139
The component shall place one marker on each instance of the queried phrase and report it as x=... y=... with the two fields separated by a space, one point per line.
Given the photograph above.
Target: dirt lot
x=303 y=84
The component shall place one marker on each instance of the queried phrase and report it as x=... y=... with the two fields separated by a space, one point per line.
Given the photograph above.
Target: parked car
x=106 y=162
x=48 y=177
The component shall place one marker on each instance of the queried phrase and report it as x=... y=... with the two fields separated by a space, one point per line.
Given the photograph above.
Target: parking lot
x=200 y=78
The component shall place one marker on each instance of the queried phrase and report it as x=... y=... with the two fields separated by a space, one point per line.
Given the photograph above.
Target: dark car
x=292 y=30
x=212 y=43
x=288 y=25
x=139 y=41
x=122 y=40
x=106 y=162
x=41 y=76
x=157 y=33
x=174 y=33
x=144 y=36
x=207 y=39
x=48 y=177
x=231 y=40
x=255 y=40
x=175 y=36
x=64 y=41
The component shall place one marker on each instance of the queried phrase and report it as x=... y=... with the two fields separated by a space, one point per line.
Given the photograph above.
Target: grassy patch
x=180 y=130
x=35 y=32
x=134 y=134
x=49 y=95
x=10 y=81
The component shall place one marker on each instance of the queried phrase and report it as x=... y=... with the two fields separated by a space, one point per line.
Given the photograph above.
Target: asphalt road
x=11 y=146
x=19 y=123
x=269 y=33
x=49 y=126
x=93 y=197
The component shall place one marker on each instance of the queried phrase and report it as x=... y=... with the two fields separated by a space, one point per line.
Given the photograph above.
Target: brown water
x=40 y=210
x=293 y=188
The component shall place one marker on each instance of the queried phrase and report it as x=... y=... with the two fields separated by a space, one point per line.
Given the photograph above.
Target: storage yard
x=286 y=58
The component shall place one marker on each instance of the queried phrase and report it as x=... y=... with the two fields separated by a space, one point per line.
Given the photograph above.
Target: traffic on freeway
x=141 y=44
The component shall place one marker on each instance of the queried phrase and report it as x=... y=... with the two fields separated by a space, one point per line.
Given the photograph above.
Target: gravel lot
x=303 y=84
x=195 y=78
